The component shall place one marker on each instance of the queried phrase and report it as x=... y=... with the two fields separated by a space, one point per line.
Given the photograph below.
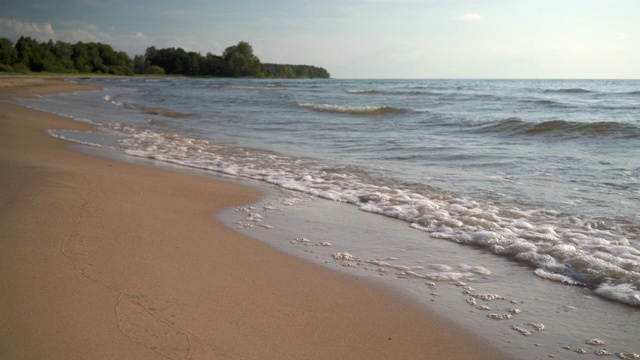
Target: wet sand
x=107 y=260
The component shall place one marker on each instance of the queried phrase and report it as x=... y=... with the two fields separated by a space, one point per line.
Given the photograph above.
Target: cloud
x=87 y=33
x=16 y=28
x=469 y=17
x=73 y=32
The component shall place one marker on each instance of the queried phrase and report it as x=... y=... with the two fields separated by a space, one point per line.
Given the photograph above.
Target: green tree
x=7 y=52
x=28 y=54
x=241 y=61
x=193 y=63
x=141 y=65
x=213 y=65
x=80 y=57
x=50 y=62
x=63 y=52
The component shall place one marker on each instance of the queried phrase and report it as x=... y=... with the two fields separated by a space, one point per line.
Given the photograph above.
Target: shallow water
x=524 y=188
x=470 y=287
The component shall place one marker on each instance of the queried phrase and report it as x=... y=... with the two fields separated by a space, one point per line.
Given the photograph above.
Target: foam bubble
x=488 y=297
x=300 y=240
x=345 y=256
x=628 y=356
x=522 y=331
x=595 y=341
x=495 y=316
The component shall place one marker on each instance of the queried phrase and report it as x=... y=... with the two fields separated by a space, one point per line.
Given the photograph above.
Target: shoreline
x=104 y=259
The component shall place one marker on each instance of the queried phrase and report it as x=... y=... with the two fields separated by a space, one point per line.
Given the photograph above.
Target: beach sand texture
x=107 y=260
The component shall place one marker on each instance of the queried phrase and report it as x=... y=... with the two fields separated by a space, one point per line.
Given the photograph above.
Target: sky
x=589 y=39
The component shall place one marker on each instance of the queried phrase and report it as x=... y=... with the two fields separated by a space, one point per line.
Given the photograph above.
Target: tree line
x=28 y=55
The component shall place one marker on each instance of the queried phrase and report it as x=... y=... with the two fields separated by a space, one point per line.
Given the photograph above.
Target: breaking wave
x=353 y=110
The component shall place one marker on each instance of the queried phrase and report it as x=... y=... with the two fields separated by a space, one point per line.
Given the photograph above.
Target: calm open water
x=535 y=178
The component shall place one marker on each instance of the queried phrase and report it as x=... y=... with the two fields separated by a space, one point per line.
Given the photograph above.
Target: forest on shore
x=28 y=55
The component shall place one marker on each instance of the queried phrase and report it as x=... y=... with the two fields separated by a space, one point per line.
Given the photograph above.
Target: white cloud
x=469 y=17
x=86 y=33
x=16 y=28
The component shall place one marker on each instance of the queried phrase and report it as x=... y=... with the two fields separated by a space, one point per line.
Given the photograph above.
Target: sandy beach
x=107 y=260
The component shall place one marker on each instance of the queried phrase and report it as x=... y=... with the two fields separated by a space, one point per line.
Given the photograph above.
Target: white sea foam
x=344 y=256
x=495 y=316
x=567 y=250
x=355 y=110
x=556 y=277
x=595 y=341
x=626 y=293
x=110 y=99
x=521 y=330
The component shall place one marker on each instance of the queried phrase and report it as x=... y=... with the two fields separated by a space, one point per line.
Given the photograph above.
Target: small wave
x=112 y=100
x=159 y=111
x=546 y=103
x=155 y=110
x=562 y=129
x=268 y=87
x=155 y=122
x=67 y=135
x=147 y=109
x=353 y=110
x=385 y=92
x=568 y=91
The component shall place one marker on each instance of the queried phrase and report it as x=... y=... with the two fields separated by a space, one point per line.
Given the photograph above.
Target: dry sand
x=106 y=260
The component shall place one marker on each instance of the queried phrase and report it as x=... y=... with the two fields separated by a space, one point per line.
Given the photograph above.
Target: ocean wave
x=353 y=110
x=568 y=91
x=147 y=109
x=562 y=129
x=387 y=92
x=267 y=87
x=548 y=103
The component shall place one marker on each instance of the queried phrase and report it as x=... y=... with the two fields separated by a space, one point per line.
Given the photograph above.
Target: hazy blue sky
x=363 y=38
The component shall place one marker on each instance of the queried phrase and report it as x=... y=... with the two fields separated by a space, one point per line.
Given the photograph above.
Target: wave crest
x=562 y=129
x=386 y=92
x=569 y=91
x=353 y=110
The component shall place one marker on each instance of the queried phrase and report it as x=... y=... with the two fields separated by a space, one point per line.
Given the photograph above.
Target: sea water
x=511 y=206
